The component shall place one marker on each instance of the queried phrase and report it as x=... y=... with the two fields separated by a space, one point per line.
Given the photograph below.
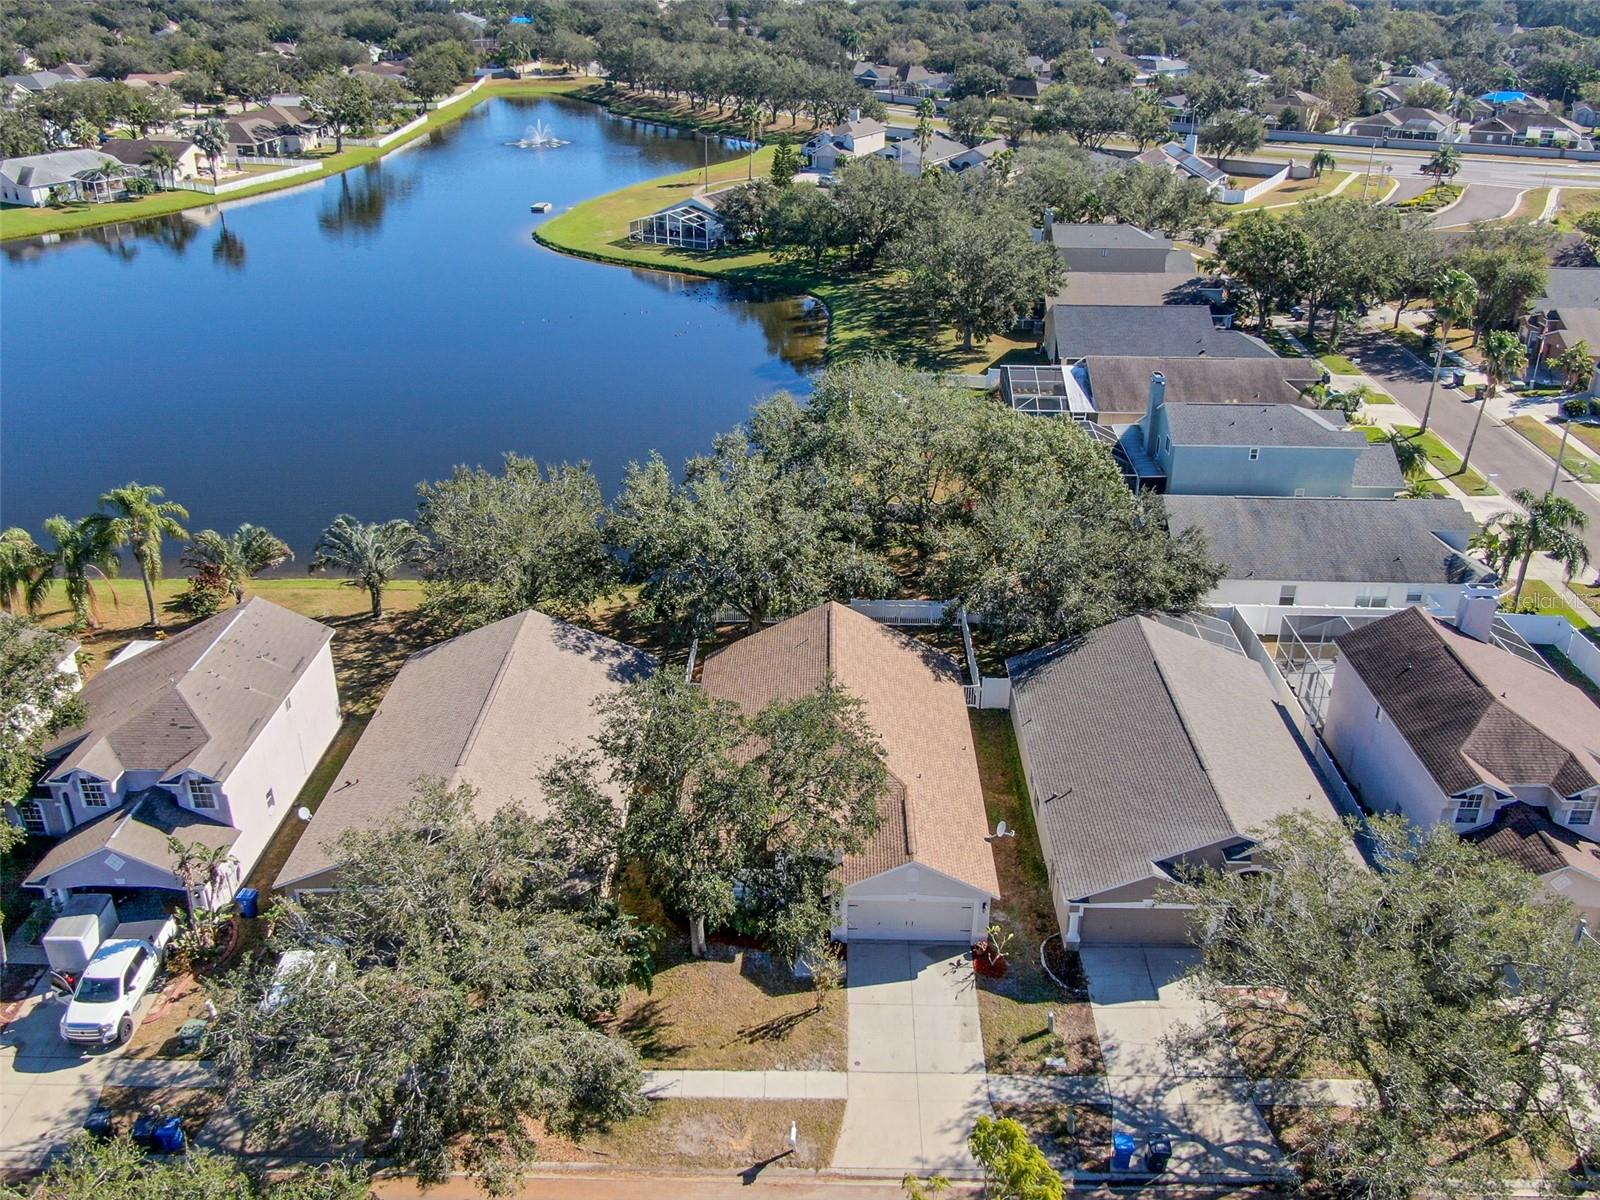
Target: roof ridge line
x=1183 y=723
x=489 y=696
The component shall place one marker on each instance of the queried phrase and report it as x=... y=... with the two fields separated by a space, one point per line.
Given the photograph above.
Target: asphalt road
x=1480 y=202
x=1475 y=168
x=1499 y=451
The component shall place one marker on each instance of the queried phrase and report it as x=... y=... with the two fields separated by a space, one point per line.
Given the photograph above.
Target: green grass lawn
x=1448 y=463
x=1574 y=202
x=1589 y=435
x=1376 y=397
x=1427 y=483
x=1281 y=345
x=1541 y=435
x=1298 y=191
x=18 y=222
x=1538 y=596
x=1335 y=362
x=866 y=310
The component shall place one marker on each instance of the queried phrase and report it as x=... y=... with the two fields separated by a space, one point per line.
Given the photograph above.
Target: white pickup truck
x=101 y=1009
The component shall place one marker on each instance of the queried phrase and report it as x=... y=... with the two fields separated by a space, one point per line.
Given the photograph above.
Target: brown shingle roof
x=492 y=708
x=913 y=699
x=1528 y=837
x=1472 y=713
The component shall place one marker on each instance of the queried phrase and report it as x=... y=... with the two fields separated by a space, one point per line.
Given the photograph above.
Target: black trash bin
x=1157 y=1154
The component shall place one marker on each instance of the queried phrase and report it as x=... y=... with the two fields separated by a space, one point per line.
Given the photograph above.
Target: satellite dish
x=303 y=813
x=1000 y=829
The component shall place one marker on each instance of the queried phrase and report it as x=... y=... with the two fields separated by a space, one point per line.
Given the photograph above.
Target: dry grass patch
x=1267 y=1048
x=194 y=1106
x=736 y=1010
x=1014 y=1011
x=749 y=1134
x=183 y=999
x=1074 y=1137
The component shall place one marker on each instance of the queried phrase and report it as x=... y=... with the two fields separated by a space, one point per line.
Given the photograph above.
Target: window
x=32 y=816
x=1373 y=597
x=132 y=973
x=1286 y=594
x=202 y=793
x=1468 y=810
x=1582 y=813
x=1255 y=453
x=1413 y=596
x=92 y=792
x=1299 y=492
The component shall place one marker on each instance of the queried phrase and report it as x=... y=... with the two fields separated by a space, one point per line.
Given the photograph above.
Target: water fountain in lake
x=539 y=137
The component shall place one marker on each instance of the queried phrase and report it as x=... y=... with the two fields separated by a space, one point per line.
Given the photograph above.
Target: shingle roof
x=492 y=708
x=1528 y=837
x=135 y=152
x=1090 y=235
x=1257 y=425
x=138 y=830
x=1329 y=540
x=1473 y=713
x=58 y=166
x=195 y=701
x=1132 y=288
x=1143 y=743
x=1153 y=330
x=913 y=699
x=1575 y=286
x=1377 y=467
x=1121 y=383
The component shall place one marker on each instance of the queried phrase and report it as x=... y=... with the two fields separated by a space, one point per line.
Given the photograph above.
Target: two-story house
x=1432 y=720
x=207 y=736
x=856 y=138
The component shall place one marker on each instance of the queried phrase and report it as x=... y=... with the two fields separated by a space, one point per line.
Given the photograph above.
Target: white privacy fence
x=297 y=166
x=1540 y=629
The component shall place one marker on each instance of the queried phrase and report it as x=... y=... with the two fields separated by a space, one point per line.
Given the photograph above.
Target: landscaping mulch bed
x=1074 y=1137
x=17 y=981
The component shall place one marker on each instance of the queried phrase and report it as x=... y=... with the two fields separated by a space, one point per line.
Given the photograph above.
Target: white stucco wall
x=1319 y=594
x=280 y=760
x=1375 y=756
x=914 y=883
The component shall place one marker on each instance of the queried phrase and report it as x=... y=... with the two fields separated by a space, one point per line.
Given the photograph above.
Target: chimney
x=855 y=115
x=1158 y=397
x=1475 y=611
x=1191 y=143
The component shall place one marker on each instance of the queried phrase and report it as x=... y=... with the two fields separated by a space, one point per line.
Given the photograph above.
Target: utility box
x=74 y=936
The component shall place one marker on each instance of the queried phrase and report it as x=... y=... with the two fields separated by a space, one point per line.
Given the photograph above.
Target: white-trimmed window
x=1286 y=594
x=1469 y=810
x=1374 y=596
x=1255 y=453
x=1582 y=813
x=92 y=792
x=1414 y=596
x=202 y=793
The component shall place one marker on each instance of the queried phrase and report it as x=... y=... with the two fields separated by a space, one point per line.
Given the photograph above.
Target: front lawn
x=1541 y=435
x=1298 y=191
x=1424 y=482
x=1538 y=596
x=736 y=1010
x=1014 y=1011
x=709 y=1133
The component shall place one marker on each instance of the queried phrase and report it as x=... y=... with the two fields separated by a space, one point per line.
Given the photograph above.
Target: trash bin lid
x=1123 y=1141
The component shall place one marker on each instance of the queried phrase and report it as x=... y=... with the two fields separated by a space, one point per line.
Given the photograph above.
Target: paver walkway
x=916 y=1068
x=1202 y=1105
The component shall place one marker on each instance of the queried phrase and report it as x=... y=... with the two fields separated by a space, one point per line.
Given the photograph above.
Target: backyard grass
x=866 y=311
x=20 y=222
x=1014 y=1011
x=1298 y=191
x=1546 y=439
x=709 y=1133
x=1568 y=670
x=735 y=1010
x=1072 y=1136
x=1448 y=463
x=1573 y=203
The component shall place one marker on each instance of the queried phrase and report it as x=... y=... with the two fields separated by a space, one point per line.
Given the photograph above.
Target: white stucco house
x=856 y=138
x=928 y=874
x=36 y=180
x=1430 y=719
x=207 y=736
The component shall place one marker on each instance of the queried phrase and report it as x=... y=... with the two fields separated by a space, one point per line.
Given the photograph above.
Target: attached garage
x=910 y=920
x=1133 y=926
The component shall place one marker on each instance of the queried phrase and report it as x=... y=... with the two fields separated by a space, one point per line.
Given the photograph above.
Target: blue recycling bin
x=1122 y=1148
x=249 y=902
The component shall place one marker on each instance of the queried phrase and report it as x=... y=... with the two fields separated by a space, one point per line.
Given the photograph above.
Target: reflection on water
x=288 y=357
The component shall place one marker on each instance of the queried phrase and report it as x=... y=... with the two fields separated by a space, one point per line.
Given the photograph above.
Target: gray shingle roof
x=1143 y=743
x=1473 y=713
x=1578 y=287
x=1132 y=287
x=58 y=166
x=1121 y=383
x=1256 y=425
x=138 y=830
x=197 y=700
x=1329 y=540
x=492 y=708
x=1377 y=467
x=1155 y=331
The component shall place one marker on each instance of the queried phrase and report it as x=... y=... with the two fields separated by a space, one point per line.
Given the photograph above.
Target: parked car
x=100 y=1012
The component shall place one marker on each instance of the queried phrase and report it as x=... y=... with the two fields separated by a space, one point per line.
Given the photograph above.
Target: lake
x=291 y=357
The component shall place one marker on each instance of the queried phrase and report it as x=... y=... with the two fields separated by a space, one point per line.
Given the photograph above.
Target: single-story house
x=34 y=82
x=1382 y=99
x=1412 y=124
x=273 y=131
x=692 y=222
x=875 y=75
x=1433 y=720
x=1180 y=160
x=855 y=138
x=1149 y=750
x=1075 y=331
x=382 y=70
x=942 y=151
x=914 y=81
x=1512 y=127
x=1586 y=114
x=928 y=874
x=1241 y=449
x=1116 y=249
x=144 y=80
x=39 y=179
x=1333 y=553
x=208 y=736
x=1152 y=65
x=135 y=152
x=493 y=708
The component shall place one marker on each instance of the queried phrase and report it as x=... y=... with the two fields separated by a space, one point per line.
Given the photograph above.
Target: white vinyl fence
x=300 y=167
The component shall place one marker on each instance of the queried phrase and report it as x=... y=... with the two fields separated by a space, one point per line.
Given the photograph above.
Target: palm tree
x=24 y=570
x=751 y=115
x=238 y=558
x=1571 y=410
x=1552 y=525
x=1446 y=160
x=370 y=554
x=1407 y=452
x=1503 y=356
x=1455 y=299
x=1464 y=108
x=1493 y=547
x=212 y=140
x=925 y=111
x=140 y=519
x=82 y=551
x=1576 y=364
x=164 y=162
x=1323 y=160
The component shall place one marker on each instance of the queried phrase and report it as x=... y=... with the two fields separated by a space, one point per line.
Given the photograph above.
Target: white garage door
x=910 y=920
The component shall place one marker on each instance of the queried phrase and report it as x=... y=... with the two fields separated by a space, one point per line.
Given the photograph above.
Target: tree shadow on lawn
x=648 y=1028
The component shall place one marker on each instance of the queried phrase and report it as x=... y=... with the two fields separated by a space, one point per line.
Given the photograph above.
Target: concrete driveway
x=916 y=1070
x=1199 y=1103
